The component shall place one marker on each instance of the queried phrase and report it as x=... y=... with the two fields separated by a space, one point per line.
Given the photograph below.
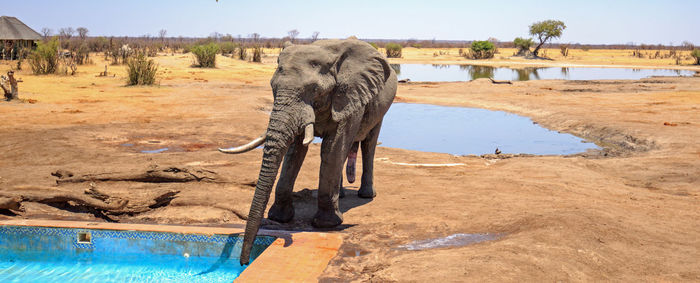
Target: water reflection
x=443 y=72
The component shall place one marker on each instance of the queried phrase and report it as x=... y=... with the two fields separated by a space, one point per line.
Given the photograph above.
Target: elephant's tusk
x=308 y=134
x=244 y=148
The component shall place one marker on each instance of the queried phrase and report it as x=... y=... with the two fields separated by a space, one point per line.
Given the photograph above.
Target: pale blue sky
x=591 y=22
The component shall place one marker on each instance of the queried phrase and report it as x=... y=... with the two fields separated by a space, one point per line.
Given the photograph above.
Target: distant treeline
x=180 y=44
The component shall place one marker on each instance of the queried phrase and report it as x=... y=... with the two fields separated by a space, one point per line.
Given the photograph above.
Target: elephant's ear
x=360 y=73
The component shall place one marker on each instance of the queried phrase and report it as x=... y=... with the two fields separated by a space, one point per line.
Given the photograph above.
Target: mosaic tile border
x=132 y=235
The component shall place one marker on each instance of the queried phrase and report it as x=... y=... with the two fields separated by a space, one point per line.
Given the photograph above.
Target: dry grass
x=176 y=70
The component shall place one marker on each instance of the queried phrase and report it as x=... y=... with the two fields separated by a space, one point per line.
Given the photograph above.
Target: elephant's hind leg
x=283 y=209
x=368 y=145
x=350 y=167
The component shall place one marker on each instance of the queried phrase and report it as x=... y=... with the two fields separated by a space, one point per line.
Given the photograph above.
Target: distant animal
x=338 y=90
x=498 y=151
x=405 y=81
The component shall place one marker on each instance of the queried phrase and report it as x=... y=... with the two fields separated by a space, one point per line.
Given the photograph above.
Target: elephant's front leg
x=369 y=145
x=334 y=151
x=283 y=209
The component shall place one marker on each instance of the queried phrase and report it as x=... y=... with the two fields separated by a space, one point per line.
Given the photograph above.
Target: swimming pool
x=47 y=254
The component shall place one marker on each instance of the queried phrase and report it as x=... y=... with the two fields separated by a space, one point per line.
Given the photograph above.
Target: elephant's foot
x=366 y=192
x=327 y=219
x=281 y=213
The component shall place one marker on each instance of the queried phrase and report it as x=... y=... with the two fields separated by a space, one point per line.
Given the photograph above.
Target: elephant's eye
x=315 y=64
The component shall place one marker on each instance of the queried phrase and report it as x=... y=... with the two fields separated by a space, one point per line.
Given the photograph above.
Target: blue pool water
x=463 y=131
x=451 y=73
x=36 y=254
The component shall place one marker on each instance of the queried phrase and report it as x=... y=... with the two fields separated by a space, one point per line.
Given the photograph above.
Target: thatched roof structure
x=13 y=29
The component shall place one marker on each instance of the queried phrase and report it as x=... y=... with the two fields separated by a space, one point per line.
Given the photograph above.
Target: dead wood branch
x=500 y=82
x=11 y=203
x=152 y=175
x=49 y=195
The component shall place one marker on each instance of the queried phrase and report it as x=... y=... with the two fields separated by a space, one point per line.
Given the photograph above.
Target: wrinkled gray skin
x=342 y=87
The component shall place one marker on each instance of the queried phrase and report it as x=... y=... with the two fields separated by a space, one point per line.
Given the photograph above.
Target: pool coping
x=292 y=257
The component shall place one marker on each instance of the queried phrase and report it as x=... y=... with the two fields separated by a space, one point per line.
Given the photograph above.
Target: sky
x=588 y=22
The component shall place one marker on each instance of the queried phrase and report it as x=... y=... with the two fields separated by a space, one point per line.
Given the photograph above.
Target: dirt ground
x=626 y=213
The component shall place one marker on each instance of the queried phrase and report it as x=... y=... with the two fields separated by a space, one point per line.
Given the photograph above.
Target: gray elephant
x=338 y=90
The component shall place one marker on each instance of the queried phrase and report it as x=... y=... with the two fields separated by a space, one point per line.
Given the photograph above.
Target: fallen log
x=10 y=203
x=500 y=82
x=152 y=175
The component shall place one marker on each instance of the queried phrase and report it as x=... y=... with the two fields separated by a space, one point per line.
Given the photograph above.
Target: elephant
x=338 y=90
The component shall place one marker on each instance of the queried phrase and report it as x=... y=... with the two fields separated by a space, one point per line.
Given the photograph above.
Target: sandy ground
x=626 y=213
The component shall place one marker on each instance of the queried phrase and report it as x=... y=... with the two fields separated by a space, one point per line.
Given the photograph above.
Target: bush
x=374 y=45
x=696 y=55
x=393 y=50
x=82 y=54
x=564 y=49
x=242 y=53
x=44 y=60
x=227 y=48
x=257 y=54
x=523 y=45
x=205 y=55
x=141 y=70
x=481 y=50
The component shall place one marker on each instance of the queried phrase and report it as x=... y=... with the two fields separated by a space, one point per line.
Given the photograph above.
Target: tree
x=162 y=33
x=66 y=33
x=314 y=36
x=545 y=31
x=255 y=37
x=47 y=32
x=82 y=32
x=293 y=34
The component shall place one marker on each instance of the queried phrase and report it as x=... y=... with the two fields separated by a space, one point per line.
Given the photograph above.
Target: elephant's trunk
x=285 y=126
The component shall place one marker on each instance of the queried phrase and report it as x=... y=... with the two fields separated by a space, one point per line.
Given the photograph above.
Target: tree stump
x=13 y=92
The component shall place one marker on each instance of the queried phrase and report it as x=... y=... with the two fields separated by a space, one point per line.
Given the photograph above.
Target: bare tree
x=162 y=33
x=314 y=36
x=82 y=32
x=66 y=33
x=255 y=37
x=293 y=34
x=216 y=36
x=46 y=32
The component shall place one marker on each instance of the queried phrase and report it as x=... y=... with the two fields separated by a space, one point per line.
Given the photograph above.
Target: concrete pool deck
x=293 y=257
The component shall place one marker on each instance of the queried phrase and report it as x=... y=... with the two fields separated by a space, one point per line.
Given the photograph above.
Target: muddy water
x=449 y=73
x=463 y=131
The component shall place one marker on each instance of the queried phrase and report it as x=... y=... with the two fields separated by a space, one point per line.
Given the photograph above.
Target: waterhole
x=464 y=131
x=451 y=73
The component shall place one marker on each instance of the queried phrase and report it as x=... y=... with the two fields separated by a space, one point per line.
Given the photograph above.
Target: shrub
x=242 y=53
x=564 y=49
x=481 y=50
x=585 y=47
x=205 y=55
x=141 y=70
x=227 y=48
x=44 y=60
x=257 y=54
x=374 y=45
x=82 y=54
x=696 y=55
x=523 y=45
x=393 y=50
